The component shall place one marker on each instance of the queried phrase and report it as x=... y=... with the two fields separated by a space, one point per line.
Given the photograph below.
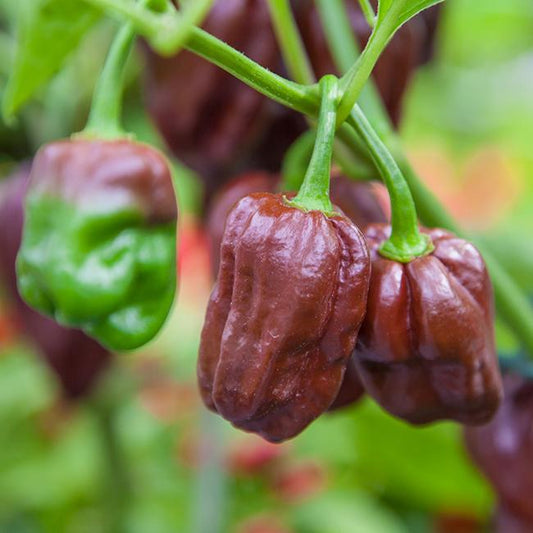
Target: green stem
x=298 y=97
x=345 y=50
x=291 y=42
x=192 y=14
x=104 y=118
x=314 y=192
x=353 y=82
x=305 y=99
x=368 y=12
x=405 y=242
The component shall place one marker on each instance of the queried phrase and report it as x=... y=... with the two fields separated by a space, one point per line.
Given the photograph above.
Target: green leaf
x=49 y=30
x=413 y=7
x=402 y=10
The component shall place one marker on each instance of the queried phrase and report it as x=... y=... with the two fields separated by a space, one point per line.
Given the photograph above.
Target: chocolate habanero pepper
x=283 y=317
x=76 y=359
x=426 y=348
x=503 y=449
x=208 y=118
x=98 y=249
x=290 y=295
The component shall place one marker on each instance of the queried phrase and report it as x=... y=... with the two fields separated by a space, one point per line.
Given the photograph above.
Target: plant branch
x=368 y=12
x=291 y=42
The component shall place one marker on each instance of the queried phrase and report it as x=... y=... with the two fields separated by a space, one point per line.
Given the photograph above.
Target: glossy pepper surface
x=76 y=359
x=283 y=317
x=98 y=248
x=396 y=66
x=208 y=118
x=426 y=348
x=503 y=450
x=356 y=200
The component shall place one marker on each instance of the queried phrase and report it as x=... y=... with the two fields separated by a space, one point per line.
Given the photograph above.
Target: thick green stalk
x=405 y=242
x=314 y=192
x=104 y=118
x=291 y=42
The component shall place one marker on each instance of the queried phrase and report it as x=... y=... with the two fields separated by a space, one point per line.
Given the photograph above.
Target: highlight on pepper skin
x=266 y=266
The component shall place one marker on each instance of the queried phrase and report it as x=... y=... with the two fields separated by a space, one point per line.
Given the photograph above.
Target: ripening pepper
x=396 y=66
x=208 y=118
x=99 y=243
x=356 y=200
x=503 y=449
x=426 y=348
x=76 y=359
x=283 y=317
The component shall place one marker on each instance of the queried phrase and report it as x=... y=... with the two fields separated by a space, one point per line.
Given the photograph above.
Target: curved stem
x=192 y=14
x=298 y=97
x=405 y=242
x=511 y=303
x=314 y=192
x=345 y=51
x=291 y=42
x=368 y=12
x=104 y=118
x=353 y=82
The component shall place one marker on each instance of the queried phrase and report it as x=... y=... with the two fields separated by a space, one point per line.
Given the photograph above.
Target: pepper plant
x=63 y=272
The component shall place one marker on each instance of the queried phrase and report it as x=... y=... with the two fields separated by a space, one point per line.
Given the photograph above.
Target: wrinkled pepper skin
x=76 y=359
x=225 y=200
x=99 y=244
x=283 y=317
x=503 y=450
x=396 y=66
x=208 y=118
x=356 y=200
x=426 y=348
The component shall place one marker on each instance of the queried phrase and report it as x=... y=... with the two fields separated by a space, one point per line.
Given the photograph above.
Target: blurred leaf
x=347 y=512
x=49 y=30
x=425 y=468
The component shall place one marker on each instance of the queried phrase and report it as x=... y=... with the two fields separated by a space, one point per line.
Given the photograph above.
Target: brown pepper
x=283 y=317
x=503 y=449
x=396 y=66
x=208 y=118
x=76 y=359
x=426 y=348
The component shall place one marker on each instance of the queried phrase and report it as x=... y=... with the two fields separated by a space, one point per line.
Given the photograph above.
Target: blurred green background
x=143 y=456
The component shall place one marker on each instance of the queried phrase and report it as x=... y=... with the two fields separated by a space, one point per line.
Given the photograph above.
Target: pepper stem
x=314 y=192
x=104 y=117
x=405 y=242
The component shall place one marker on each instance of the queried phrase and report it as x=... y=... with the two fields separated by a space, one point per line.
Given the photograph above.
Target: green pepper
x=99 y=244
